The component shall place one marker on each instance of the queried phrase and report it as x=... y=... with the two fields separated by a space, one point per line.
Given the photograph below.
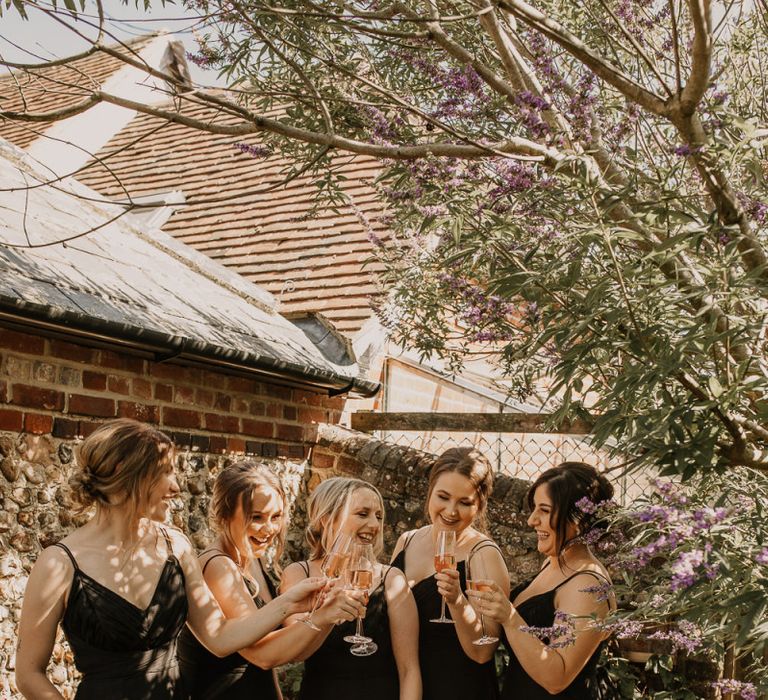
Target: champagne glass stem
x=442 y=608
x=359 y=630
x=482 y=624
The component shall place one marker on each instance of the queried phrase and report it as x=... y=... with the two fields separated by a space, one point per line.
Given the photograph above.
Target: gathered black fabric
x=209 y=677
x=123 y=652
x=539 y=611
x=333 y=673
x=446 y=671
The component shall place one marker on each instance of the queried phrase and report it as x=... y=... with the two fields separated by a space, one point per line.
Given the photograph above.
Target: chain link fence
x=526 y=455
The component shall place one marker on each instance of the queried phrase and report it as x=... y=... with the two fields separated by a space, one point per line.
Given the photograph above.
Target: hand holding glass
x=360 y=578
x=445 y=558
x=333 y=565
x=477 y=581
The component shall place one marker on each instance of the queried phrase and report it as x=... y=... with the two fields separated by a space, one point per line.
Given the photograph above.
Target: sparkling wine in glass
x=445 y=558
x=477 y=581
x=360 y=573
x=333 y=566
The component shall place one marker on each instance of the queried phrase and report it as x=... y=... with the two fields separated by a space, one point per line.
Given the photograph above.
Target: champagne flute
x=476 y=581
x=445 y=558
x=360 y=578
x=333 y=565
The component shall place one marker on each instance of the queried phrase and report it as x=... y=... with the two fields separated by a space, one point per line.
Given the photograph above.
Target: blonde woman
x=248 y=510
x=331 y=672
x=452 y=665
x=123 y=585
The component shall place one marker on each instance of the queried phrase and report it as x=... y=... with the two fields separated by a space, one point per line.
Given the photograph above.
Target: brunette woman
x=452 y=664
x=331 y=670
x=248 y=510
x=123 y=585
x=572 y=582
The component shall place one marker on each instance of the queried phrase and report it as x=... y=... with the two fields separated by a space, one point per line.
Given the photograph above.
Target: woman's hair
x=236 y=485
x=567 y=484
x=329 y=505
x=118 y=463
x=473 y=465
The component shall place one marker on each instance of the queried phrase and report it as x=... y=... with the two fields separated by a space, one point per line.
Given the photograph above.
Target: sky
x=42 y=38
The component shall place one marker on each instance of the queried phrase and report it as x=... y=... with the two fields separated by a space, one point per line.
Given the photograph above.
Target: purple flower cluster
x=382 y=129
x=561 y=634
x=255 y=151
x=602 y=591
x=720 y=97
x=622 y=629
x=581 y=106
x=689 y=568
x=684 y=637
x=485 y=313
x=686 y=150
x=754 y=208
x=530 y=107
x=746 y=691
x=762 y=557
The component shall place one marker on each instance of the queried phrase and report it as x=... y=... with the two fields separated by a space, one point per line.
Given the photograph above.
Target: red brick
x=222 y=424
x=257 y=408
x=240 y=405
x=36 y=397
x=242 y=384
x=218 y=444
x=121 y=361
x=70 y=351
x=257 y=428
x=184 y=395
x=292 y=433
x=175 y=373
x=205 y=398
x=273 y=410
x=164 y=392
x=86 y=427
x=323 y=461
x=91 y=405
x=37 y=423
x=278 y=392
x=118 y=385
x=312 y=415
x=11 y=420
x=22 y=342
x=141 y=388
x=138 y=411
x=3 y=392
x=289 y=412
x=223 y=402
x=181 y=417
x=94 y=380
x=236 y=445
x=65 y=428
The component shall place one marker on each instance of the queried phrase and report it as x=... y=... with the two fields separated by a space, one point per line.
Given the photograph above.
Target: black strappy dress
x=333 y=673
x=209 y=677
x=123 y=652
x=446 y=671
x=539 y=611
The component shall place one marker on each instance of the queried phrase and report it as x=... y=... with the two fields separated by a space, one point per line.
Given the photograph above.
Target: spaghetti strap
x=167 y=541
x=305 y=567
x=71 y=556
x=408 y=540
x=215 y=556
x=482 y=544
x=596 y=574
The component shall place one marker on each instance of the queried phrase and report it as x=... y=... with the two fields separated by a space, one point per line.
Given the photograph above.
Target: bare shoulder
x=179 y=541
x=394 y=579
x=293 y=572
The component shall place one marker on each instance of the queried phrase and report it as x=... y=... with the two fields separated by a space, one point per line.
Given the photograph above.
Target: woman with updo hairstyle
x=123 y=584
x=562 y=602
x=453 y=665
x=331 y=671
x=248 y=512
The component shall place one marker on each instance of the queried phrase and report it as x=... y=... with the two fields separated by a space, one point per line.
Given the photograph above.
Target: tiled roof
x=55 y=88
x=128 y=284
x=312 y=262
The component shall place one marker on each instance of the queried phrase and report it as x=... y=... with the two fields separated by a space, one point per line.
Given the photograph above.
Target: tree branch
x=701 y=17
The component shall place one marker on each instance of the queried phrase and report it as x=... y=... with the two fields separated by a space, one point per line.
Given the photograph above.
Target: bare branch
x=701 y=17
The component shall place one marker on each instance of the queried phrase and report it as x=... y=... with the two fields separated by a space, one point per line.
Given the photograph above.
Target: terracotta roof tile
x=55 y=88
x=271 y=238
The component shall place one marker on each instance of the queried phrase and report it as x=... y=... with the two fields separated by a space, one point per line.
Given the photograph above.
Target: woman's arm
x=465 y=617
x=404 y=629
x=553 y=668
x=297 y=642
x=41 y=613
x=224 y=636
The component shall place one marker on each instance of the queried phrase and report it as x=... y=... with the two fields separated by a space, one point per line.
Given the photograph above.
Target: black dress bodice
x=209 y=677
x=333 y=673
x=123 y=652
x=446 y=671
x=539 y=611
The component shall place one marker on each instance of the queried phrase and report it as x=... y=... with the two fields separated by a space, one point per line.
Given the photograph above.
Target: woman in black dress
x=331 y=671
x=248 y=510
x=558 y=658
x=122 y=585
x=452 y=666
